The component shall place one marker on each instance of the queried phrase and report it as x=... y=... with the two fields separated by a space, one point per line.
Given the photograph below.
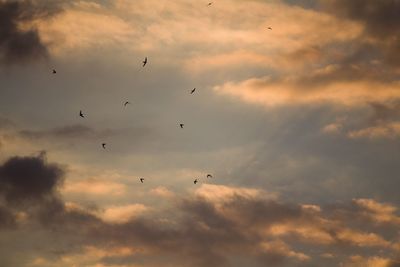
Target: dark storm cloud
x=21 y=45
x=29 y=178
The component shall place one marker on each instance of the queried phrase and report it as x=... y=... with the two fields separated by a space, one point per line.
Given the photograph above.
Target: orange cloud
x=289 y=91
x=379 y=212
x=121 y=214
x=94 y=187
x=359 y=261
x=385 y=130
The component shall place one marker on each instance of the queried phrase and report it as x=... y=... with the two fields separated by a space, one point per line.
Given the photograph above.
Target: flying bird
x=54 y=71
x=126 y=103
x=209 y=4
x=269 y=28
x=145 y=61
x=103 y=145
x=182 y=125
x=142 y=180
x=209 y=176
x=195 y=181
x=81 y=114
x=192 y=91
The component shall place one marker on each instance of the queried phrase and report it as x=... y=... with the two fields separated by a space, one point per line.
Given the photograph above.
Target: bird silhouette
x=142 y=180
x=126 y=103
x=145 y=61
x=54 y=71
x=103 y=145
x=209 y=4
x=81 y=114
x=209 y=176
x=269 y=28
x=192 y=91
x=182 y=125
x=195 y=181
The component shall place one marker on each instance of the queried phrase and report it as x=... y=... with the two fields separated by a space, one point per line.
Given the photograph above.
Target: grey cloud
x=199 y=233
x=383 y=113
x=372 y=56
x=70 y=131
x=202 y=234
x=381 y=20
x=29 y=178
x=18 y=45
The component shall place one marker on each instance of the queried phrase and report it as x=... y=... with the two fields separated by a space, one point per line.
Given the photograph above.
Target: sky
x=296 y=115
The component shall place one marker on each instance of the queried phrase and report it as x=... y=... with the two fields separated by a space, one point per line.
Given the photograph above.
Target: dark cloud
x=21 y=45
x=231 y=231
x=29 y=178
x=381 y=21
x=381 y=18
x=201 y=233
x=205 y=232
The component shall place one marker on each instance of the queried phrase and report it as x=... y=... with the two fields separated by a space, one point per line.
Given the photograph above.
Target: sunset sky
x=298 y=124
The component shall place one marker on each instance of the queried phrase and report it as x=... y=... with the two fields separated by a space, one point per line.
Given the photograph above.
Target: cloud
x=378 y=212
x=220 y=193
x=19 y=39
x=29 y=178
x=212 y=225
x=359 y=261
x=354 y=70
x=122 y=214
x=379 y=17
x=70 y=131
x=387 y=130
x=94 y=187
x=271 y=92
x=162 y=191
x=73 y=30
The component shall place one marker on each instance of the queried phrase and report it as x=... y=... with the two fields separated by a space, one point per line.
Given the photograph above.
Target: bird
x=269 y=28
x=141 y=180
x=209 y=4
x=145 y=61
x=81 y=114
x=103 y=145
x=182 y=125
x=126 y=103
x=54 y=71
x=209 y=176
x=195 y=181
x=192 y=91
